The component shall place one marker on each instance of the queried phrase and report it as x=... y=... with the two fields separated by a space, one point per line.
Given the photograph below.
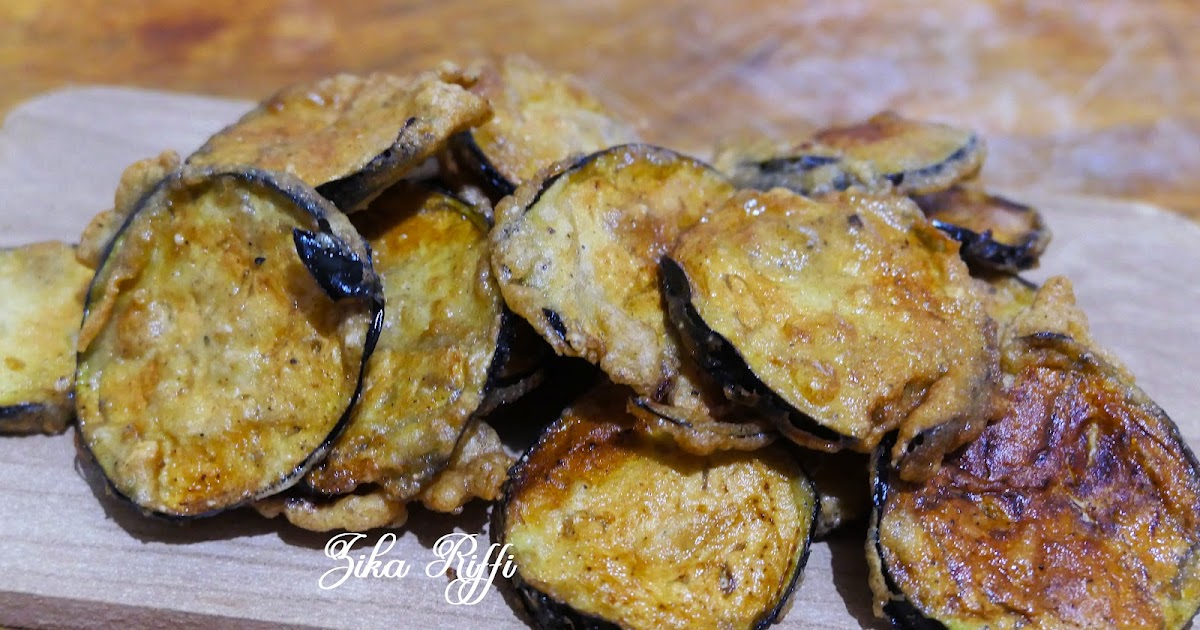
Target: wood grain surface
x=1098 y=97
x=72 y=556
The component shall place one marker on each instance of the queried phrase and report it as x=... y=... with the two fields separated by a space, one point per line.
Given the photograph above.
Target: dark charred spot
x=555 y=323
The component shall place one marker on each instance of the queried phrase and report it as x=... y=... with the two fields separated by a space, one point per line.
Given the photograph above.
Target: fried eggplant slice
x=916 y=157
x=350 y=137
x=808 y=168
x=43 y=287
x=576 y=255
x=223 y=341
x=1079 y=508
x=538 y=119
x=996 y=234
x=844 y=319
x=443 y=337
x=611 y=528
x=886 y=152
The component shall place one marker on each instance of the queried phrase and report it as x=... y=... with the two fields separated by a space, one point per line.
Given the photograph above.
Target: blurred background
x=1098 y=97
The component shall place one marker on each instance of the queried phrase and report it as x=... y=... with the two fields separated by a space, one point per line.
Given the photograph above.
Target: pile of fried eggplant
x=327 y=311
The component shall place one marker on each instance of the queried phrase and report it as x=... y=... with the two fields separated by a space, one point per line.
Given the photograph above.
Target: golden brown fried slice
x=538 y=119
x=608 y=525
x=441 y=338
x=576 y=255
x=885 y=153
x=1079 y=508
x=996 y=234
x=846 y=318
x=223 y=340
x=43 y=288
x=350 y=137
x=916 y=157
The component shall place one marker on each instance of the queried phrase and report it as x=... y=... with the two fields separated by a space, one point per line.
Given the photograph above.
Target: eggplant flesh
x=538 y=119
x=214 y=366
x=997 y=235
x=1079 y=508
x=603 y=522
x=443 y=356
x=350 y=137
x=576 y=254
x=878 y=314
x=43 y=287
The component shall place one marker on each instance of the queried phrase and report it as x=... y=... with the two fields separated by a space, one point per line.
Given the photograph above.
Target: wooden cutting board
x=72 y=557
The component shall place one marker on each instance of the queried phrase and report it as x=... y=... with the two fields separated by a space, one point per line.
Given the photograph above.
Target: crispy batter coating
x=357 y=512
x=137 y=180
x=854 y=312
x=43 y=288
x=617 y=526
x=1079 y=508
x=214 y=365
x=349 y=136
x=538 y=119
x=576 y=255
x=477 y=470
x=430 y=369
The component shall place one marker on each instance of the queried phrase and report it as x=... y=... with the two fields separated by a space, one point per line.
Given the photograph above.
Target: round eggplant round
x=43 y=287
x=913 y=156
x=1079 y=508
x=538 y=119
x=610 y=528
x=443 y=347
x=576 y=254
x=223 y=340
x=843 y=318
x=885 y=153
x=350 y=137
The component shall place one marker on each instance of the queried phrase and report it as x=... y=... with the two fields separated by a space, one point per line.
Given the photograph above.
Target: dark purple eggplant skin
x=371 y=292
x=720 y=359
x=788 y=172
x=981 y=251
x=470 y=157
x=354 y=191
x=933 y=170
x=900 y=611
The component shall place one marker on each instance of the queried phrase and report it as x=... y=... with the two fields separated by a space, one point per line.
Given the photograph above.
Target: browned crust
x=1080 y=507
